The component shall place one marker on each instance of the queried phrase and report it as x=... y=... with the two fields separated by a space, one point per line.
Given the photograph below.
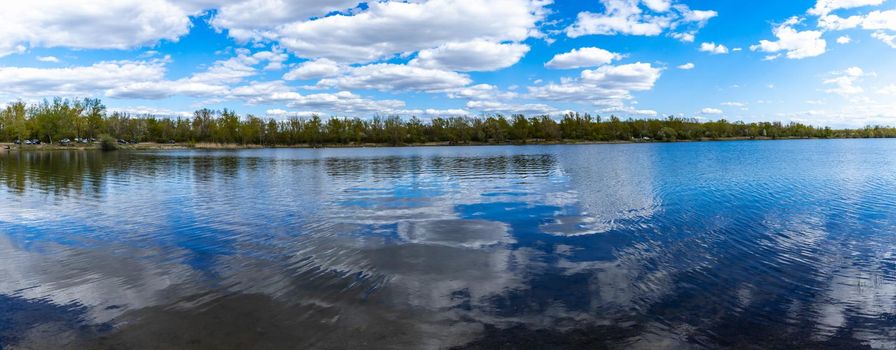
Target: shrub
x=108 y=143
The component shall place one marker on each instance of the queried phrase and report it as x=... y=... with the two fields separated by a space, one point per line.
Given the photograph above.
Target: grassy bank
x=233 y=146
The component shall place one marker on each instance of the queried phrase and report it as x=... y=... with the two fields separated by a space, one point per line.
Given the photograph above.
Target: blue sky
x=825 y=62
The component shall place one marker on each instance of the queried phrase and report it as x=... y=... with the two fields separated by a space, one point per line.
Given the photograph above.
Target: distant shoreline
x=147 y=146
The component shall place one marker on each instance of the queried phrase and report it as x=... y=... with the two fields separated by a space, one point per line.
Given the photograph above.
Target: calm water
x=691 y=245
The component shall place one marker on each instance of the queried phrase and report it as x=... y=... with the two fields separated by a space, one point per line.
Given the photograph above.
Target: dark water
x=776 y=244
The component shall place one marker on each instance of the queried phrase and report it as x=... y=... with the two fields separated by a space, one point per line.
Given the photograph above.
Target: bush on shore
x=108 y=143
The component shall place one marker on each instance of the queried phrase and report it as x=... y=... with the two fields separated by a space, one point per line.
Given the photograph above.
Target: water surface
x=689 y=245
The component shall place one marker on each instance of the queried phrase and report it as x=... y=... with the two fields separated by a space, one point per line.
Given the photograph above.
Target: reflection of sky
x=667 y=243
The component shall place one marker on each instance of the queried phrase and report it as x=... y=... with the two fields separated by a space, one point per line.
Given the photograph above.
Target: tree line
x=51 y=121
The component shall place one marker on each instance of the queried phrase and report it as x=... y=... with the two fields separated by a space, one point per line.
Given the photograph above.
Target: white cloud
x=582 y=57
x=154 y=111
x=874 y=20
x=475 y=55
x=607 y=85
x=888 y=39
x=852 y=115
x=844 y=83
x=316 y=69
x=454 y=112
x=90 y=24
x=481 y=92
x=512 y=108
x=824 y=7
x=76 y=81
x=344 y=102
x=281 y=114
x=713 y=48
x=52 y=59
x=888 y=90
x=633 y=77
x=166 y=88
x=734 y=104
x=658 y=5
x=627 y=17
x=258 y=19
x=687 y=66
x=397 y=77
x=275 y=58
x=796 y=44
x=843 y=40
x=213 y=82
x=628 y=110
x=339 y=103
x=231 y=70
x=389 y=28
x=709 y=110
x=880 y=20
x=684 y=37
x=132 y=79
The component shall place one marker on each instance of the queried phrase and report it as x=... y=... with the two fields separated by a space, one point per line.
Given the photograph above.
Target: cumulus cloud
x=385 y=29
x=687 y=66
x=344 y=102
x=166 y=88
x=889 y=90
x=481 y=92
x=397 y=77
x=843 y=40
x=100 y=24
x=453 y=112
x=658 y=5
x=607 y=85
x=512 y=108
x=316 y=69
x=844 y=82
x=231 y=70
x=213 y=82
x=154 y=111
x=824 y=7
x=258 y=19
x=874 y=20
x=337 y=106
x=582 y=57
x=51 y=59
x=709 y=110
x=888 y=39
x=132 y=79
x=795 y=44
x=475 y=55
x=713 y=48
x=339 y=103
x=628 y=17
x=77 y=81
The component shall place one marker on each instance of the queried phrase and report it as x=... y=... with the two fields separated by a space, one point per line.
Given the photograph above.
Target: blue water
x=769 y=244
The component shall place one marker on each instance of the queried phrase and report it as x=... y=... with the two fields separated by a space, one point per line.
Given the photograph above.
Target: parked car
x=18 y=142
x=122 y=142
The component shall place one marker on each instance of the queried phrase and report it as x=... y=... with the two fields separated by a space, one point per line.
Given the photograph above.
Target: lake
x=781 y=244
